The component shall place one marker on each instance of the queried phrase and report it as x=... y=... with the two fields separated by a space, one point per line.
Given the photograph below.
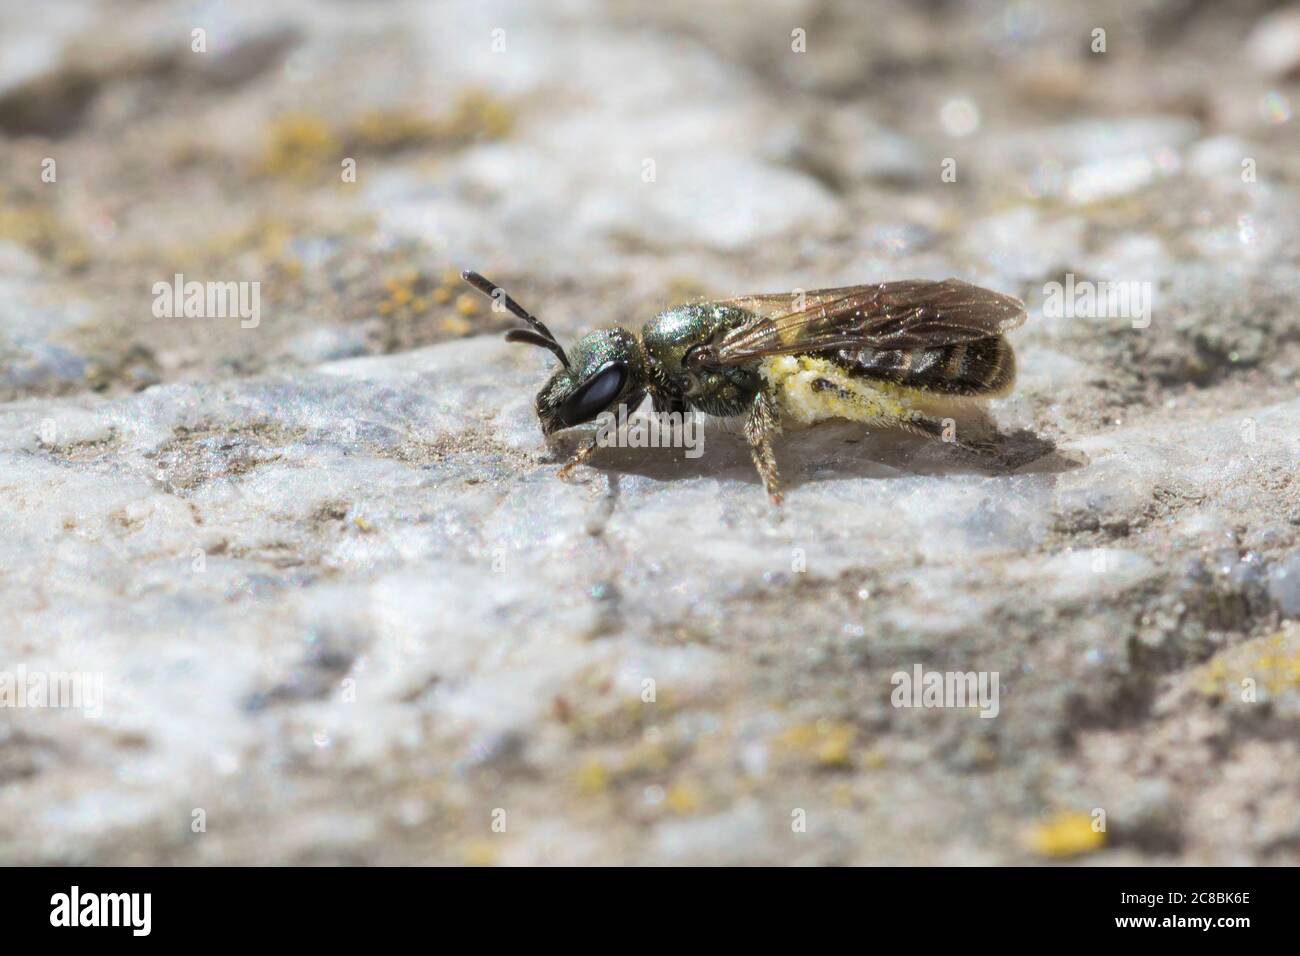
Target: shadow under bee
x=836 y=450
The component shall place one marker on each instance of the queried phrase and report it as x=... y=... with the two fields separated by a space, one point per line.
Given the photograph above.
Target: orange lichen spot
x=467 y=305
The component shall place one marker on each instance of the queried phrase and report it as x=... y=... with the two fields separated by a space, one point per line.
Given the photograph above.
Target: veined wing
x=913 y=313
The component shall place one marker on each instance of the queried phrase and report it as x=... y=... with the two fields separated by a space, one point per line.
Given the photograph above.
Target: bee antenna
x=542 y=336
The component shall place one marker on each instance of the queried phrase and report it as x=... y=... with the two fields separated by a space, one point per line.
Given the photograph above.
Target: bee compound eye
x=594 y=395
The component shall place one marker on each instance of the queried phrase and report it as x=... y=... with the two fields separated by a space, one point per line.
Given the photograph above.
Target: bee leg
x=763 y=423
x=583 y=455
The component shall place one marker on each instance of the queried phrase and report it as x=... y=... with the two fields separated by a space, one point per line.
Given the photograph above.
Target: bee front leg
x=583 y=455
x=763 y=423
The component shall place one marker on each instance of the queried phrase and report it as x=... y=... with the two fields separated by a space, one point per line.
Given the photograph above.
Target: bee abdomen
x=983 y=367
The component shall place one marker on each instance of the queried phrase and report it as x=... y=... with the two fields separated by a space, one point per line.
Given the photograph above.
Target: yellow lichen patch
x=1265 y=666
x=302 y=146
x=298 y=146
x=620 y=719
x=826 y=743
x=683 y=799
x=289 y=268
x=645 y=757
x=40 y=229
x=592 y=777
x=412 y=301
x=405 y=295
x=812 y=389
x=480 y=853
x=477 y=115
x=384 y=130
x=1069 y=833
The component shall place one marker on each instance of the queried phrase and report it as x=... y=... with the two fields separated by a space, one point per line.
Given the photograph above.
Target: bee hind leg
x=763 y=423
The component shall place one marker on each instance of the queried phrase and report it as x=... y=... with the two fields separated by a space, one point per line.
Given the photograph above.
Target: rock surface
x=340 y=606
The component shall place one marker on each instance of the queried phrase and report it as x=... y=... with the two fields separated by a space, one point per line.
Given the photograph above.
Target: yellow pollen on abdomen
x=809 y=390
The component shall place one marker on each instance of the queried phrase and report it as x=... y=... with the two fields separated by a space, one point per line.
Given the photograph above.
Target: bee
x=884 y=354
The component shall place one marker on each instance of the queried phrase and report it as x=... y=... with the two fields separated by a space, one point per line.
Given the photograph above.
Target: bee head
x=607 y=369
x=603 y=369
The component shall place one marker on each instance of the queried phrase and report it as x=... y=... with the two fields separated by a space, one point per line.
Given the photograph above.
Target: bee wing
x=779 y=303
x=914 y=313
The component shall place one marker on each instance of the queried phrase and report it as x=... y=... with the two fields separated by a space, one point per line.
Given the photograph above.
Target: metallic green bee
x=885 y=354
